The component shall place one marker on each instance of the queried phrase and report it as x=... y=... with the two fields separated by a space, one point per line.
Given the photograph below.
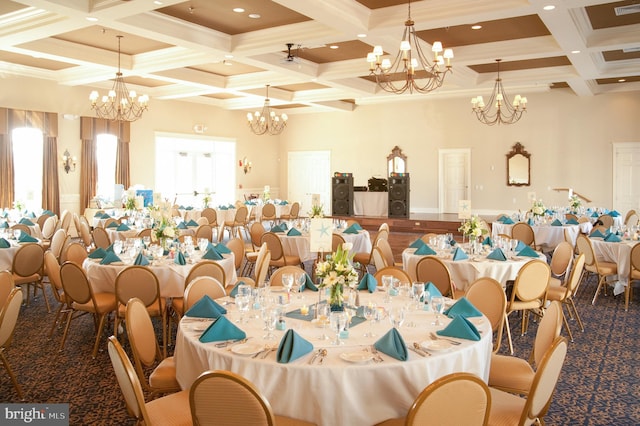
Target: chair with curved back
x=514 y=374
x=337 y=240
x=426 y=237
x=6 y=285
x=606 y=220
x=378 y=259
x=268 y=214
x=631 y=219
x=74 y=252
x=529 y=293
x=236 y=245
x=634 y=274
x=40 y=220
x=432 y=269
x=278 y=256
x=211 y=215
x=53 y=271
x=204 y=268
x=146 y=351
x=82 y=300
x=487 y=295
x=507 y=408
x=202 y=221
x=223 y=398
x=394 y=271
x=108 y=222
x=294 y=212
x=21 y=227
x=364 y=259
x=49 y=227
x=238 y=223
x=594 y=266
x=201 y=286
x=204 y=231
x=58 y=242
x=101 y=238
x=65 y=220
x=276 y=277
x=262 y=265
x=146 y=232
x=522 y=231
x=9 y=313
x=141 y=282
x=168 y=410
x=385 y=249
x=564 y=293
x=560 y=262
x=570 y=216
x=27 y=270
x=85 y=235
x=256 y=230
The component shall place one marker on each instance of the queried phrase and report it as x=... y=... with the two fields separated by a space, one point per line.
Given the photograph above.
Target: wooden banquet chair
x=74 y=252
x=426 y=237
x=49 y=227
x=81 y=300
x=560 y=262
x=606 y=220
x=256 y=230
x=268 y=214
x=6 y=286
x=379 y=261
x=204 y=231
x=8 y=319
x=634 y=274
x=596 y=267
x=21 y=227
x=570 y=216
x=238 y=223
x=564 y=293
x=204 y=268
x=201 y=286
x=294 y=212
x=146 y=232
x=261 y=270
x=387 y=253
x=430 y=268
x=395 y=271
x=223 y=398
x=202 y=221
x=65 y=220
x=631 y=219
x=236 y=245
x=337 y=240
x=276 y=277
x=58 y=242
x=522 y=231
x=211 y=215
x=146 y=351
x=438 y=403
x=487 y=295
x=169 y=410
x=101 y=238
x=85 y=235
x=27 y=270
x=53 y=271
x=364 y=259
x=278 y=256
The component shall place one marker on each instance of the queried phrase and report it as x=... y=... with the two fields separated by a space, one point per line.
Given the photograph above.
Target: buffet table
x=345 y=389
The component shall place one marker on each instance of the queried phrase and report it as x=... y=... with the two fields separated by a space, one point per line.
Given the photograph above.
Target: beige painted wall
x=568 y=137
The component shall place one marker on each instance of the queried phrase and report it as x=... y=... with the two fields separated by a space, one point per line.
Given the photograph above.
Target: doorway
x=626 y=175
x=454 y=178
x=309 y=172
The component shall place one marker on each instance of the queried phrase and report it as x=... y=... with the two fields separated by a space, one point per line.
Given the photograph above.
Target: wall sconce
x=245 y=164
x=68 y=162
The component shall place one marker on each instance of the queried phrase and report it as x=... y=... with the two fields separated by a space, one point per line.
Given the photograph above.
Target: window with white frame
x=28 y=152
x=106 y=151
x=186 y=165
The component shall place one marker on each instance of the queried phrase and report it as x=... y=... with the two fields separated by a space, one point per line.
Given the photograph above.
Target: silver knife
x=422 y=354
x=316 y=355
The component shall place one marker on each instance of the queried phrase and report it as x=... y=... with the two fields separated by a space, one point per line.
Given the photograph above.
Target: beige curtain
x=122 y=156
x=6 y=161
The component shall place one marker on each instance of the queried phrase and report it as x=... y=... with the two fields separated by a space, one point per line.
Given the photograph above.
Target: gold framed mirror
x=518 y=166
x=396 y=161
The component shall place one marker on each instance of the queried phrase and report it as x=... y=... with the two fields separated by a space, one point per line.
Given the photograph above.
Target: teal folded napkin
x=502 y=217
x=234 y=290
x=222 y=249
x=425 y=250
x=464 y=308
x=508 y=221
x=110 y=258
x=353 y=227
x=368 y=282
x=223 y=207
x=277 y=228
x=189 y=208
x=432 y=290
x=4 y=243
x=308 y=283
x=211 y=246
x=105 y=216
x=497 y=254
x=521 y=246
x=292 y=346
x=231 y=206
x=594 y=214
x=26 y=238
x=614 y=213
x=206 y=307
x=528 y=251
x=179 y=259
x=25 y=221
x=4 y=225
x=180 y=207
x=141 y=259
x=612 y=238
x=530 y=222
x=556 y=223
x=192 y=223
x=212 y=254
x=597 y=234
x=572 y=221
x=417 y=243
x=293 y=232
x=182 y=225
x=112 y=225
x=220 y=330
x=459 y=254
x=48 y=212
x=461 y=328
x=98 y=215
x=393 y=345
x=98 y=253
x=110 y=248
x=123 y=227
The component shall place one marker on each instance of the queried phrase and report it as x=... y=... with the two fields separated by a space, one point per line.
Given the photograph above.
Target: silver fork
x=434 y=336
x=376 y=354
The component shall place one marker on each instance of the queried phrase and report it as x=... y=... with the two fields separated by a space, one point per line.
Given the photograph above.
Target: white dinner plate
x=247 y=349
x=436 y=345
x=278 y=289
x=476 y=320
x=358 y=357
x=200 y=325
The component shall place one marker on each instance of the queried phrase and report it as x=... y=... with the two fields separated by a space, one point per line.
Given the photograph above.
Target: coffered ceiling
x=203 y=51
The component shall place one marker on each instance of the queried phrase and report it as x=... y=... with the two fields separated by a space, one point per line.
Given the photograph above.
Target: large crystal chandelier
x=411 y=70
x=506 y=112
x=266 y=121
x=119 y=104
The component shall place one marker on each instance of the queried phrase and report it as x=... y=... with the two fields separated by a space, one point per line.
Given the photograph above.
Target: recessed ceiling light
x=158 y=2
x=238 y=9
x=362 y=35
x=334 y=46
x=254 y=16
x=622 y=80
x=575 y=51
x=549 y=7
x=92 y=18
x=476 y=27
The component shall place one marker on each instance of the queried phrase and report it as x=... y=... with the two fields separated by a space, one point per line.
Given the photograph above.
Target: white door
x=309 y=173
x=626 y=176
x=454 y=178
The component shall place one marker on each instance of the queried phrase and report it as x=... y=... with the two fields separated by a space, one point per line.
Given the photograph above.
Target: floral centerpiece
x=206 y=199
x=129 y=200
x=316 y=212
x=164 y=227
x=575 y=203
x=336 y=272
x=472 y=228
x=18 y=205
x=538 y=208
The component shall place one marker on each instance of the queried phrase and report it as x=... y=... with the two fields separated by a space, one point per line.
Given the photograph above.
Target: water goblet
x=386 y=284
x=337 y=322
x=270 y=318
x=16 y=233
x=437 y=304
x=324 y=313
x=287 y=283
x=117 y=247
x=396 y=316
x=242 y=303
x=244 y=290
x=301 y=279
x=370 y=313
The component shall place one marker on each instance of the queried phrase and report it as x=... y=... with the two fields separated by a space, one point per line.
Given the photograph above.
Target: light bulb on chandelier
x=506 y=112
x=267 y=121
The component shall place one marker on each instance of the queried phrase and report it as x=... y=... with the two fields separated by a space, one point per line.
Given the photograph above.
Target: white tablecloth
x=337 y=392
x=367 y=203
x=465 y=272
x=618 y=253
x=280 y=210
x=6 y=257
x=170 y=275
x=301 y=245
x=547 y=236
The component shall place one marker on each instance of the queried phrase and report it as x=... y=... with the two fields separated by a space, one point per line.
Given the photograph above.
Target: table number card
x=464 y=209
x=320 y=233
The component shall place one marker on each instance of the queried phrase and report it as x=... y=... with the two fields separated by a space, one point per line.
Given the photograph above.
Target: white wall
x=568 y=137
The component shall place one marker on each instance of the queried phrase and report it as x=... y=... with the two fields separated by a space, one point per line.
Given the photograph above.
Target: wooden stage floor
x=421 y=223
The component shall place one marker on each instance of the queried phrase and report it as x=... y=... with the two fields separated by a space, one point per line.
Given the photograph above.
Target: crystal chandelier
x=506 y=112
x=411 y=70
x=266 y=121
x=119 y=104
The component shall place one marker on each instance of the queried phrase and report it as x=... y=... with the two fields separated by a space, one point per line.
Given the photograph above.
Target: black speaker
x=342 y=196
x=399 y=196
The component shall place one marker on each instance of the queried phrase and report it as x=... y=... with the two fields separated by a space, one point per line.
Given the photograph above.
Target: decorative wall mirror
x=518 y=166
x=396 y=161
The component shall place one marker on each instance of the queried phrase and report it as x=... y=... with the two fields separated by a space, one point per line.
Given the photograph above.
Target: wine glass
x=16 y=233
x=513 y=245
x=324 y=313
x=117 y=247
x=386 y=284
x=242 y=303
x=337 y=322
x=287 y=283
x=437 y=304
x=301 y=279
x=396 y=316
x=270 y=318
x=370 y=315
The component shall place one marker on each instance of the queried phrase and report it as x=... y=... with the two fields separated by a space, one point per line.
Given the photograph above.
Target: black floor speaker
x=342 y=196
x=399 y=196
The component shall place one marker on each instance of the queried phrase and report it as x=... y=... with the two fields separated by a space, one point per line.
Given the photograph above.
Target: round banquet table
x=465 y=272
x=170 y=275
x=7 y=255
x=301 y=245
x=115 y=235
x=336 y=392
x=547 y=236
x=618 y=253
